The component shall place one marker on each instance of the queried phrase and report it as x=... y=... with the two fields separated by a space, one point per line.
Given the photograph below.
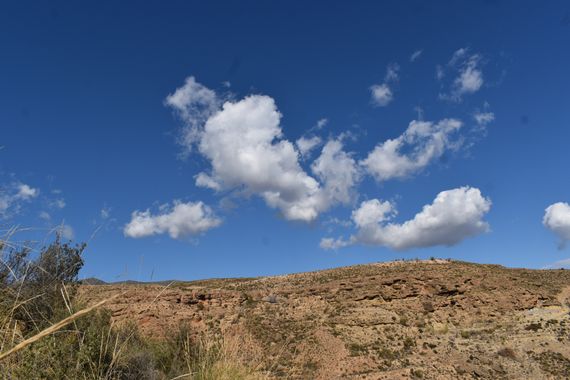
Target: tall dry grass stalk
x=43 y=337
x=53 y=328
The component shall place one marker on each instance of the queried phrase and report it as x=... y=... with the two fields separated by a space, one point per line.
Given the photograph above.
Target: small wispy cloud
x=25 y=192
x=392 y=73
x=58 y=203
x=45 y=216
x=415 y=55
x=193 y=103
x=12 y=196
x=483 y=118
x=466 y=68
x=382 y=94
x=439 y=72
x=66 y=231
x=309 y=141
x=307 y=144
x=321 y=123
x=105 y=213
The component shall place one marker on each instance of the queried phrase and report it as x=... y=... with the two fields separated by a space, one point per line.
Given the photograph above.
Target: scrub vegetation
x=46 y=332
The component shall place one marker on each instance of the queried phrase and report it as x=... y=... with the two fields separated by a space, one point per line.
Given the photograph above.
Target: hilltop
x=434 y=319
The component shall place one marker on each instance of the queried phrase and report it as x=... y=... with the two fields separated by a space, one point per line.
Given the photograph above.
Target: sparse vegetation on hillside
x=433 y=319
x=37 y=290
x=368 y=321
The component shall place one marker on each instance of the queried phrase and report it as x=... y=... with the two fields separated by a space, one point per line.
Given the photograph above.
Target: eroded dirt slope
x=416 y=319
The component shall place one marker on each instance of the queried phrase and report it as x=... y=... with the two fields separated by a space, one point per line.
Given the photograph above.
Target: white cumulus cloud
x=181 y=220
x=557 y=219
x=244 y=144
x=248 y=155
x=453 y=216
x=419 y=145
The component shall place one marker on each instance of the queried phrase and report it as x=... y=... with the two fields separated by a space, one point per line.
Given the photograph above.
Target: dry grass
x=211 y=359
x=53 y=328
x=42 y=337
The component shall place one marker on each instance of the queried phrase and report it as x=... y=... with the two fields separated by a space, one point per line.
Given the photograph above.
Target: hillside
x=412 y=319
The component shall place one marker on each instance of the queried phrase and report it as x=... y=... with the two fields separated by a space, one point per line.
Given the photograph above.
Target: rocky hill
x=431 y=319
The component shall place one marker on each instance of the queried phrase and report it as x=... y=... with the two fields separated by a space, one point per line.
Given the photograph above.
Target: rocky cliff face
x=415 y=319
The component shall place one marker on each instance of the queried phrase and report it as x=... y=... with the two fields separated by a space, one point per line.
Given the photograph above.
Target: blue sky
x=109 y=112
